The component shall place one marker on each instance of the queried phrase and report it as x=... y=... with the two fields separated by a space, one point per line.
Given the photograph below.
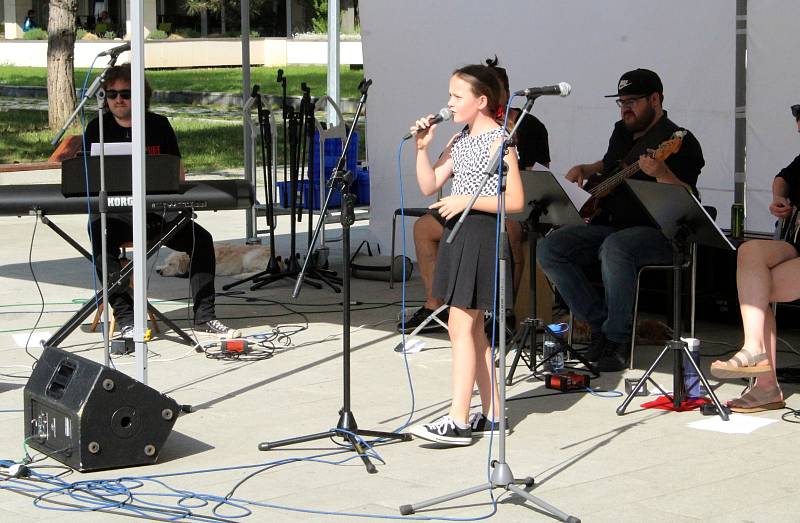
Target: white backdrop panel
x=411 y=47
x=772 y=86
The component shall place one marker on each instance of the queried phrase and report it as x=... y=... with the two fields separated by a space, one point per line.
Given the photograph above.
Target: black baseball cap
x=638 y=81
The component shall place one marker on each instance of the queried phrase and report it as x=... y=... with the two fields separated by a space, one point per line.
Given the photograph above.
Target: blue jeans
x=566 y=252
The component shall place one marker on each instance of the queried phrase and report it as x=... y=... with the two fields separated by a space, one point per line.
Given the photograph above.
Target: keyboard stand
x=77 y=319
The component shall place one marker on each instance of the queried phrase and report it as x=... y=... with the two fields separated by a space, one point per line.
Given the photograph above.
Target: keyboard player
x=194 y=240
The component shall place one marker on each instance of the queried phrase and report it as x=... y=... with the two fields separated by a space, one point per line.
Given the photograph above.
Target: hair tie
x=500 y=113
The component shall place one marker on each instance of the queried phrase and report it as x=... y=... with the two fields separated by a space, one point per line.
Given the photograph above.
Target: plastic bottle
x=691 y=381
x=555 y=363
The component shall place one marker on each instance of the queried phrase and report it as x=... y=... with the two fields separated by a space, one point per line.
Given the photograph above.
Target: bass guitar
x=600 y=186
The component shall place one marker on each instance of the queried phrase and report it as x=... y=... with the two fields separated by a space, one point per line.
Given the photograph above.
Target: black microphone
x=116 y=51
x=443 y=116
x=562 y=89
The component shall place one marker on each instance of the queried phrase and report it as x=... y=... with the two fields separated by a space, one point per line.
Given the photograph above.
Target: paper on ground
x=737 y=424
x=36 y=340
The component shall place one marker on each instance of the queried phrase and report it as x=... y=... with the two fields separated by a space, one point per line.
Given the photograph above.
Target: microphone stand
x=265 y=133
x=317 y=269
x=346 y=428
x=501 y=475
x=96 y=91
x=292 y=265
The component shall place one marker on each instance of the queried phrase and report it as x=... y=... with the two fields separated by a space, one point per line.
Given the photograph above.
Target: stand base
x=678 y=349
x=525 y=338
x=346 y=428
x=502 y=477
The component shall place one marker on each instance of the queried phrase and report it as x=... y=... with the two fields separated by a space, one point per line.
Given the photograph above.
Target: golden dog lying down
x=231 y=259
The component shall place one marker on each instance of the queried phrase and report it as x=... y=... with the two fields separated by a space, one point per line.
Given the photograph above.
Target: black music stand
x=683 y=221
x=545 y=202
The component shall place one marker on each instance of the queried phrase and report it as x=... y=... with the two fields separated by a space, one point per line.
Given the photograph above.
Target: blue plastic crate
x=333 y=149
x=361 y=185
x=303 y=198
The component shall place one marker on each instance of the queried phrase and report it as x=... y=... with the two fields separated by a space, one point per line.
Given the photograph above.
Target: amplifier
x=91 y=417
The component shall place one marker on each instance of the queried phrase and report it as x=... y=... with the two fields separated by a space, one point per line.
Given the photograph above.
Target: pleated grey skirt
x=465 y=269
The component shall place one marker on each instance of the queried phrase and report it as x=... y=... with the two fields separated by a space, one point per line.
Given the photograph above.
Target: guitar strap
x=659 y=133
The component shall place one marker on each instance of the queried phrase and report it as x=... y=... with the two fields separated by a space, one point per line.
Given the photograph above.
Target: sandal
x=756 y=400
x=741 y=365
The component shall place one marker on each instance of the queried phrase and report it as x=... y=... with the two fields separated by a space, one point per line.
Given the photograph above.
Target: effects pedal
x=567 y=381
x=234 y=346
x=709 y=409
x=630 y=384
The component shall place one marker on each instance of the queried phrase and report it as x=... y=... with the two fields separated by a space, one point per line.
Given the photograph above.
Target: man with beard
x=620 y=238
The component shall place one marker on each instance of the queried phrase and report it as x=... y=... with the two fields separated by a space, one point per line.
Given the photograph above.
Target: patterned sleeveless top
x=470 y=160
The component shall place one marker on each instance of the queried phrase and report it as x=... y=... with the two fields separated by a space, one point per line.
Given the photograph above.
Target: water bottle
x=691 y=381
x=549 y=348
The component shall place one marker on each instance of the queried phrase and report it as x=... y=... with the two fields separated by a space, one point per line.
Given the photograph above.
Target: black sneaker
x=126 y=332
x=614 y=358
x=481 y=426
x=443 y=430
x=219 y=328
x=594 y=351
x=419 y=316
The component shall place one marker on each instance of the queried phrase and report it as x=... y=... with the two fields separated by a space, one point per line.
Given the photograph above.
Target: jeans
x=566 y=253
x=191 y=239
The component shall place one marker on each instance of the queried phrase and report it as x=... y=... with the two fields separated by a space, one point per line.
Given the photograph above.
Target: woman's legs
x=485 y=376
x=766 y=272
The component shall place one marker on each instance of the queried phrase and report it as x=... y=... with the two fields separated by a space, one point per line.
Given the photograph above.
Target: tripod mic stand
x=265 y=134
x=548 y=204
x=346 y=427
x=501 y=475
x=682 y=219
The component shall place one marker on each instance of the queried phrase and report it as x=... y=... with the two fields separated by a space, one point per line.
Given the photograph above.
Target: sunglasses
x=111 y=94
x=796 y=111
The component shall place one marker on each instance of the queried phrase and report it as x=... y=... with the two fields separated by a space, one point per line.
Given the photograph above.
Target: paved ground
x=646 y=466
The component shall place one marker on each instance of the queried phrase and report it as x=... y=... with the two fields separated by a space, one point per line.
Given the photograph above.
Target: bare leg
x=754 y=281
x=487 y=383
x=427 y=235
x=462 y=325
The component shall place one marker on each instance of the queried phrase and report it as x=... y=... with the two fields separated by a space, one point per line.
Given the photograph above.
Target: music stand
x=546 y=201
x=683 y=221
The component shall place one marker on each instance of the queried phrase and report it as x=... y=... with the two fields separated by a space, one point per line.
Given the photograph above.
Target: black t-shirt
x=624 y=150
x=791 y=173
x=159 y=136
x=531 y=141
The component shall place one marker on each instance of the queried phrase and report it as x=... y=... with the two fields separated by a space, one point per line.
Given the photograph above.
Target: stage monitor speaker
x=91 y=417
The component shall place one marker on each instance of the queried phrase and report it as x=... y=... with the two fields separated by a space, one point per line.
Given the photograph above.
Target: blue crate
x=303 y=198
x=333 y=149
x=361 y=185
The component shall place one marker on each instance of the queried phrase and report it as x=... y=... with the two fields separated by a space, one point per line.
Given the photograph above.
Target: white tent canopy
x=410 y=49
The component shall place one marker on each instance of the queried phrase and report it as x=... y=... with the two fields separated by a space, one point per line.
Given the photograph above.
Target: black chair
x=414 y=212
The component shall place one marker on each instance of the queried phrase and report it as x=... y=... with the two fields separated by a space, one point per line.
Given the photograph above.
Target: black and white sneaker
x=219 y=328
x=419 y=317
x=126 y=332
x=481 y=426
x=443 y=430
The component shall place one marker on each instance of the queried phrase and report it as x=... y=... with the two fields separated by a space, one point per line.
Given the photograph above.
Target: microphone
x=116 y=51
x=562 y=89
x=443 y=115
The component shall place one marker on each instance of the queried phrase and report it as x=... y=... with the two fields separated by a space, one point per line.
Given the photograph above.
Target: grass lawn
x=205 y=146
x=227 y=80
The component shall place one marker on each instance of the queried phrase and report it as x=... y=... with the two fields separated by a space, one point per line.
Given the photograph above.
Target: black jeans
x=191 y=239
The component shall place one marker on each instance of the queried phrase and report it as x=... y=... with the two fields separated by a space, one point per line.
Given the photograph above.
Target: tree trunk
x=223 y=29
x=61 y=61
